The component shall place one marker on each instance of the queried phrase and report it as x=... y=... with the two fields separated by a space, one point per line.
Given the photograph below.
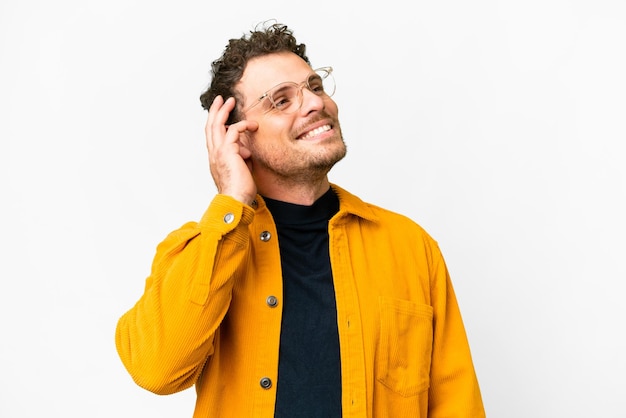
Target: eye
x=316 y=85
x=285 y=96
x=281 y=101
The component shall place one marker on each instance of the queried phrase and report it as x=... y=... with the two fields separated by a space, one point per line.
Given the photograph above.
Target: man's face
x=294 y=146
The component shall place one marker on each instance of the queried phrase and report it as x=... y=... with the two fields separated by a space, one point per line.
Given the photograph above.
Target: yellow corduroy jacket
x=211 y=316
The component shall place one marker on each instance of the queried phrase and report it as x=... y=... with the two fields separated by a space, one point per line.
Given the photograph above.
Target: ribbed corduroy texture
x=204 y=318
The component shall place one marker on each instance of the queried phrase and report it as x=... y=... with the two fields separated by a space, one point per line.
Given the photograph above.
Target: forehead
x=263 y=73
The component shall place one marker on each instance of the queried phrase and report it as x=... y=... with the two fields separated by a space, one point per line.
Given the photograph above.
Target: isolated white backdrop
x=497 y=125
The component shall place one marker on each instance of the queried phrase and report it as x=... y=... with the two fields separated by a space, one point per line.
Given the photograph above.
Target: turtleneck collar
x=293 y=214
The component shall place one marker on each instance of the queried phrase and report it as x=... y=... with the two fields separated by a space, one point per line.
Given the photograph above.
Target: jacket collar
x=351 y=204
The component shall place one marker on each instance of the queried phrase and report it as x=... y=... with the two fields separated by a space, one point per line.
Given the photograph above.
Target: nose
x=310 y=101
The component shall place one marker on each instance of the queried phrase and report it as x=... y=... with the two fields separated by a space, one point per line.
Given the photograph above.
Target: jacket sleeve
x=167 y=336
x=454 y=389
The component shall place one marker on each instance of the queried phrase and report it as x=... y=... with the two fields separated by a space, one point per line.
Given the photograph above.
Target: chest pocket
x=405 y=346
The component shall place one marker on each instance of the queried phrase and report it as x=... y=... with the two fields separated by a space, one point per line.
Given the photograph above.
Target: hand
x=228 y=154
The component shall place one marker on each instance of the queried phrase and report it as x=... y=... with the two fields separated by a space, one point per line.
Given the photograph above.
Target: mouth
x=314 y=132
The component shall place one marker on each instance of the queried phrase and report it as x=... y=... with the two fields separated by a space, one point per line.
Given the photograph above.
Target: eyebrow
x=280 y=87
x=312 y=76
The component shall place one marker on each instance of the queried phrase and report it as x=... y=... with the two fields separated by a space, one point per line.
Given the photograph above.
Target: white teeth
x=316 y=131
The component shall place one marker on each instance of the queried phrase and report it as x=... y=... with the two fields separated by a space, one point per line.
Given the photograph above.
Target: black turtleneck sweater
x=309 y=368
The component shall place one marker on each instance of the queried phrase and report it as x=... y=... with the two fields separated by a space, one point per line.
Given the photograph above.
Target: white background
x=497 y=125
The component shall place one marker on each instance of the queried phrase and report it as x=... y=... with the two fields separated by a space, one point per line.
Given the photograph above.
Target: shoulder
x=380 y=218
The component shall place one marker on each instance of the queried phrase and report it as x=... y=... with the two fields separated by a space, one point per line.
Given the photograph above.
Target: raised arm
x=165 y=339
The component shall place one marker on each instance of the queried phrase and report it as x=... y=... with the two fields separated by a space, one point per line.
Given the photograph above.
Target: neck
x=298 y=193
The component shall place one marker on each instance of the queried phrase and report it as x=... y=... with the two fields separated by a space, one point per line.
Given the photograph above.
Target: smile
x=315 y=132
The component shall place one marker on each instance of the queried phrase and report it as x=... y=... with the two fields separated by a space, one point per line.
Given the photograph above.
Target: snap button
x=271 y=301
x=265 y=236
x=265 y=383
x=229 y=218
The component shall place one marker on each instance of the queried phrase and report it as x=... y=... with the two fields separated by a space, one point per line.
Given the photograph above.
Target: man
x=291 y=297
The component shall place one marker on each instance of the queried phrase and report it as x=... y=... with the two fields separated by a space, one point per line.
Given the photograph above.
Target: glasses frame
x=327 y=70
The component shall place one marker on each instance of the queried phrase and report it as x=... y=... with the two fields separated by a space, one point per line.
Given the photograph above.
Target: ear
x=244 y=139
x=247 y=136
x=244 y=148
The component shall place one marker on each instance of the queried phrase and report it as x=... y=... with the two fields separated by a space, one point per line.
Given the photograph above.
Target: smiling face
x=289 y=148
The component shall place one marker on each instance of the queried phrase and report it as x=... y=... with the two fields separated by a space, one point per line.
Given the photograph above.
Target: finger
x=218 y=115
x=238 y=131
x=215 y=106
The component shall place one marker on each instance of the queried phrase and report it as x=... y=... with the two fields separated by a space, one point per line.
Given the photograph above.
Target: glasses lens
x=327 y=80
x=287 y=97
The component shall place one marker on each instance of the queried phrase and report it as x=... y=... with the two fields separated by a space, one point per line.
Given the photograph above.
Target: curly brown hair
x=227 y=70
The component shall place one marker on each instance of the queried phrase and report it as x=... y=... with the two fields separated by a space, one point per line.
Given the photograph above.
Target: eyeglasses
x=287 y=97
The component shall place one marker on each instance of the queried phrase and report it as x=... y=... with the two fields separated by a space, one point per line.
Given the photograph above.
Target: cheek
x=272 y=129
x=331 y=107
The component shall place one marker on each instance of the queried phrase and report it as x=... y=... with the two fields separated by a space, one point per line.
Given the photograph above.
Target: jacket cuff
x=226 y=215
